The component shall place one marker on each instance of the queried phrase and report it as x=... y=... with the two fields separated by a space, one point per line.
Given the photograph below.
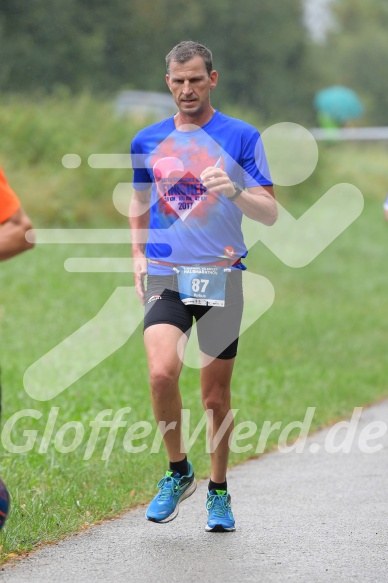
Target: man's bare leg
x=164 y=367
x=216 y=398
x=215 y=383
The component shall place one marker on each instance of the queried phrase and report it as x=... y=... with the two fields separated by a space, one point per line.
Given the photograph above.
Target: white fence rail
x=351 y=134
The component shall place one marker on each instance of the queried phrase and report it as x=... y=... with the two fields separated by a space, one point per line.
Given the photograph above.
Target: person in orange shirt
x=14 y=223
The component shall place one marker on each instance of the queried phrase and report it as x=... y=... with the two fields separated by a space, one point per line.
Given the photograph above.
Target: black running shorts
x=218 y=328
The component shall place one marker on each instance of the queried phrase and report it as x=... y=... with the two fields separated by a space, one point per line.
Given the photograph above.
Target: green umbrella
x=340 y=103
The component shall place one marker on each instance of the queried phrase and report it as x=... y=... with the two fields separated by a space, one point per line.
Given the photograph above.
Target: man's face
x=190 y=85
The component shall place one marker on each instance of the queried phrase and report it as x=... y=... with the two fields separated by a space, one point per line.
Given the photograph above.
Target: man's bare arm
x=139 y=218
x=13 y=235
x=258 y=203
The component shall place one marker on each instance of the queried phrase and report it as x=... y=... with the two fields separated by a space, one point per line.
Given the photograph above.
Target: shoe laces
x=219 y=503
x=167 y=486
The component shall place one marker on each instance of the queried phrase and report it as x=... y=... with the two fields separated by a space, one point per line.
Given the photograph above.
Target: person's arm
x=257 y=202
x=13 y=235
x=139 y=217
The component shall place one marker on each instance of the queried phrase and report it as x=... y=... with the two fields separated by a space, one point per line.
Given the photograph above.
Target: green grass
x=322 y=344
x=35 y=137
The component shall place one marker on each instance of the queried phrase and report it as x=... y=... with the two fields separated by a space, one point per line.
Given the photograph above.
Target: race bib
x=202 y=285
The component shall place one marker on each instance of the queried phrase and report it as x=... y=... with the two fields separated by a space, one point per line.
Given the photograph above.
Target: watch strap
x=238 y=191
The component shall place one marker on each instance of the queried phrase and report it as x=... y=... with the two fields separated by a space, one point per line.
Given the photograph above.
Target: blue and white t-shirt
x=188 y=224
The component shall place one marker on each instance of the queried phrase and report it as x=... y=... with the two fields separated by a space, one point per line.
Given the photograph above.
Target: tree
x=259 y=48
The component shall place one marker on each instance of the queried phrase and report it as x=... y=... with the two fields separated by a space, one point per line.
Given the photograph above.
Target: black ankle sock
x=216 y=486
x=181 y=467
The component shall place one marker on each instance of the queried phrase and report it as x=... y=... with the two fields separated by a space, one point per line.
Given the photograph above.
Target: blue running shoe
x=173 y=488
x=219 y=510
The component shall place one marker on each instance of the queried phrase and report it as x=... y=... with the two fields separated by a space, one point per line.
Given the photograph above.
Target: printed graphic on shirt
x=178 y=184
x=181 y=192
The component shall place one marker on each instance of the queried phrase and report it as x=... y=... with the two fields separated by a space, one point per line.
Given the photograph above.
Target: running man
x=195 y=175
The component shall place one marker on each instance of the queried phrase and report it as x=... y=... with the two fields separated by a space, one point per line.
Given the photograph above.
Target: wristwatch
x=238 y=191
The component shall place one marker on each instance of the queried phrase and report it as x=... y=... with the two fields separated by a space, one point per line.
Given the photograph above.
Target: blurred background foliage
x=261 y=52
x=355 y=54
x=63 y=64
x=266 y=58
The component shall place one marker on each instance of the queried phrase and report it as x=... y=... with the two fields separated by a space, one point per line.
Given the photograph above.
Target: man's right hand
x=140 y=266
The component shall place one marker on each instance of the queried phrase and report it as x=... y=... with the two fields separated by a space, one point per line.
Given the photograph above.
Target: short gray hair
x=188 y=49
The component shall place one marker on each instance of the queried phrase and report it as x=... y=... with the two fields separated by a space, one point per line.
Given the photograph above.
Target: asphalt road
x=316 y=516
